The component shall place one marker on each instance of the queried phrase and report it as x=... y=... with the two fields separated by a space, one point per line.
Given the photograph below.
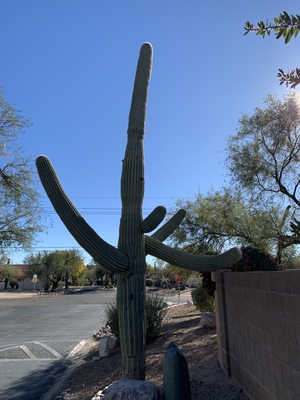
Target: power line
x=95 y=210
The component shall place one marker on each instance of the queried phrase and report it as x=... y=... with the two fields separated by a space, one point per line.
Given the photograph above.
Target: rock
x=189 y=303
x=128 y=389
x=112 y=342
x=63 y=395
x=103 y=346
x=208 y=320
x=106 y=343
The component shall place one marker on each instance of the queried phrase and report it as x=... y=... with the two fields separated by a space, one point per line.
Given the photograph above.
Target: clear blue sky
x=69 y=65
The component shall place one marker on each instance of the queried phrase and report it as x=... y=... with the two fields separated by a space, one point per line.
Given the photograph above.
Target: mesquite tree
x=129 y=259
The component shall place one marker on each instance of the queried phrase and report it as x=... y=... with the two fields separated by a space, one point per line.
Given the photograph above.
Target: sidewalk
x=16 y=293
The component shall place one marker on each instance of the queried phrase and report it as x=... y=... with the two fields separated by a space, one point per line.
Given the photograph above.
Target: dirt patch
x=182 y=327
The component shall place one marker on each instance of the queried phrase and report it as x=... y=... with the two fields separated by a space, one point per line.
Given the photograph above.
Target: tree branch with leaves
x=285 y=26
x=20 y=217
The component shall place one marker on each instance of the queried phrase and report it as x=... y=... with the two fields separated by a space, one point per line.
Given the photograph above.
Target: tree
x=96 y=272
x=179 y=274
x=261 y=205
x=263 y=157
x=52 y=267
x=129 y=259
x=10 y=272
x=285 y=26
x=224 y=218
x=19 y=199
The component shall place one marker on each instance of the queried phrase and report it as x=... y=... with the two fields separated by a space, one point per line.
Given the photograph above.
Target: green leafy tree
x=52 y=267
x=224 y=218
x=285 y=26
x=263 y=157
x=261 y=206
x=19 y=200
x=10 y=272
x=179 y=274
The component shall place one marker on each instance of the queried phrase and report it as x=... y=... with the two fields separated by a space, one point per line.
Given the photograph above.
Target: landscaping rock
x=208 y=320
x=107 y=343
x=128 y=389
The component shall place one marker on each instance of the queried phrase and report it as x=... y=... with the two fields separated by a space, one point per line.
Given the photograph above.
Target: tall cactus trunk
x=131 y=283
x=129 y=261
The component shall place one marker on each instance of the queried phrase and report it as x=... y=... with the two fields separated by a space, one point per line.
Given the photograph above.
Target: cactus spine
x=128 y=260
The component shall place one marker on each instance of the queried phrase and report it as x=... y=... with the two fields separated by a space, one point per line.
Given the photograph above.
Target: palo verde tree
x=19 y=199
x=285 y=26
x=263 y=156
x=227 y=217
x=261 y=206
x=129 y=259
x=263 y=159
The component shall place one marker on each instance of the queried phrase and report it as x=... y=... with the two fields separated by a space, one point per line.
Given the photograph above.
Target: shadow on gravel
x=36 y=383
x=83 y=290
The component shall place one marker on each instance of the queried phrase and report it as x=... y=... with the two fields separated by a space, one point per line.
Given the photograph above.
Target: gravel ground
x=182 y=327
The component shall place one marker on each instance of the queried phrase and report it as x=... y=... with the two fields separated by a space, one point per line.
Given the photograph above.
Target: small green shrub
x=111 y=313
x=155 y=310
x=202 y=300
x=83 y=282
x=163 y=283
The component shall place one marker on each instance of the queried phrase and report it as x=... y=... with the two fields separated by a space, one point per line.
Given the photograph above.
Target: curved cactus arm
x=153 y=219
x=169 y=227
x=105 y=254
x=192 y=261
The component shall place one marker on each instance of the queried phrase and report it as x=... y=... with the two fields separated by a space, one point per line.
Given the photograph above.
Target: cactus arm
x=192 y=261
x=153 y=219
x=105 y=254
x=169 y=227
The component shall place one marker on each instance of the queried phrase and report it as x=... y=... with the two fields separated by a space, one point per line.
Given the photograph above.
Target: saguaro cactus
x=128 y=260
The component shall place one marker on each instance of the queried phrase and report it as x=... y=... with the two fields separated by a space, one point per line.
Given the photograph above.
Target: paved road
x=40 y=335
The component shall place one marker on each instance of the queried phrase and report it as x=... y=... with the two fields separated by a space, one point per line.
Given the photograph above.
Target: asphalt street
x=40 y=335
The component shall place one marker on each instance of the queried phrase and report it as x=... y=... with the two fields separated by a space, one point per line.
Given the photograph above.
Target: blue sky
x=69 y=65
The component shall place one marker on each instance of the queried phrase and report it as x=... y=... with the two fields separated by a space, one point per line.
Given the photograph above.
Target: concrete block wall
x=258 y=326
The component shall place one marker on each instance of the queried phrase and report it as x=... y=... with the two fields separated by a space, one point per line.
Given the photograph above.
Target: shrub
x=111 y=314
x=155 y=309
x=83 y=282
x=254 y=259
x=202 y=300
x=208 y=284
x=149 y=282
x=163 y=283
